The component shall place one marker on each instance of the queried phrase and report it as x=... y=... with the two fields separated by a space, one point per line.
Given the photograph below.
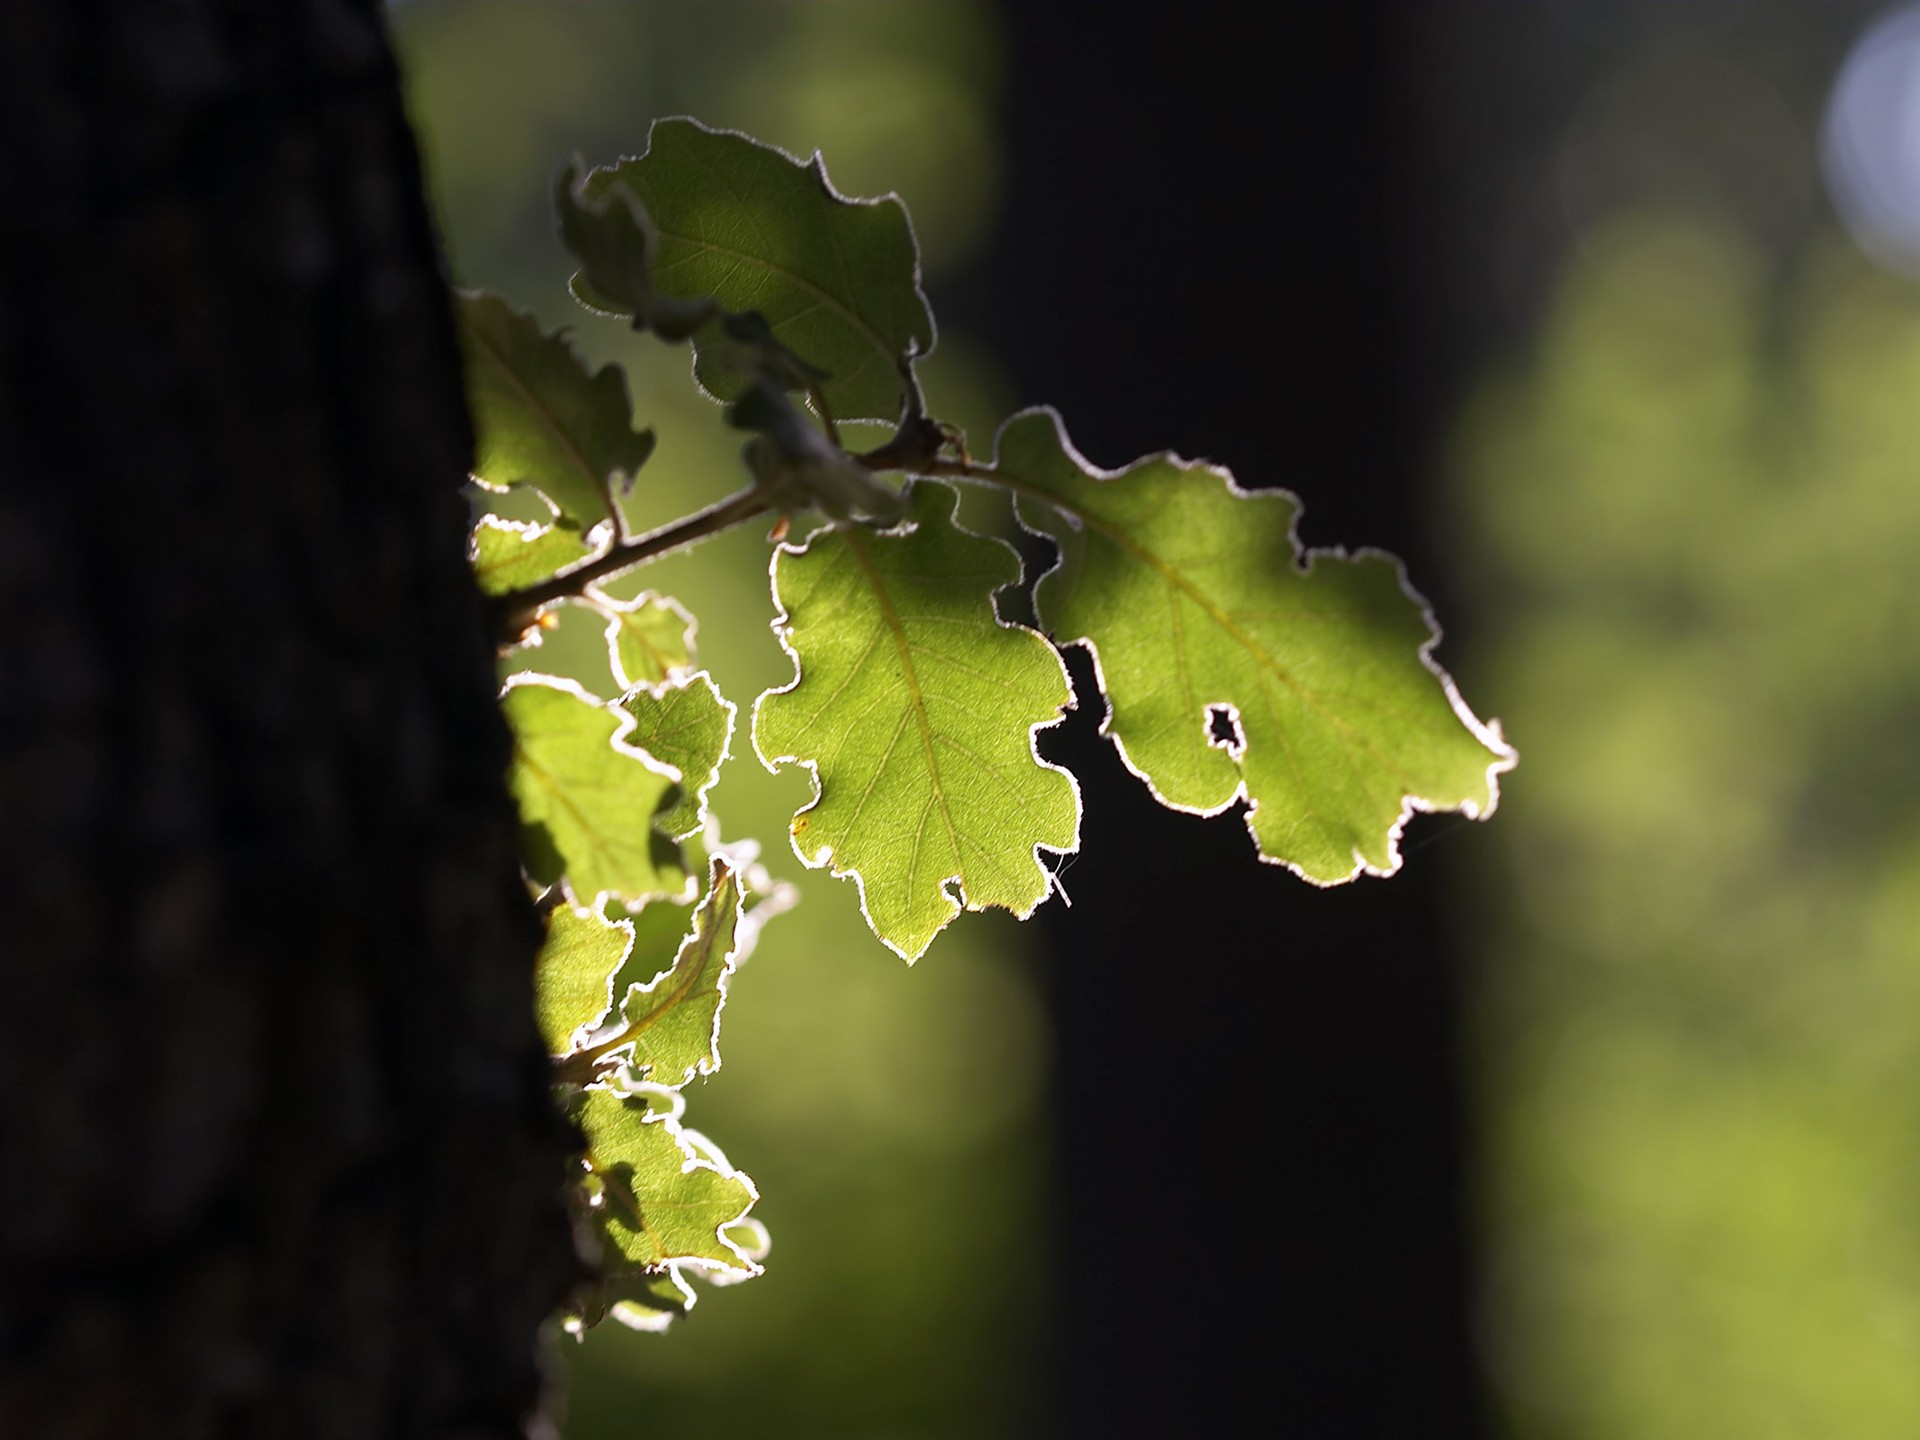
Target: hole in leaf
x=1223 y=730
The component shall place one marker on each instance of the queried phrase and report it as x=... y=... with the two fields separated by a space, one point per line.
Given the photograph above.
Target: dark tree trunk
x=276 y=1155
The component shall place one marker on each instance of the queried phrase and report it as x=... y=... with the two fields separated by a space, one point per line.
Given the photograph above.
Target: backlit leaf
x=589 y=797
x=659 y=928
x=1199 y=605
x=543 y=418
x=688 y=726
x=661 y=1201
x=573 y=976
x=510 y=555
x=674 y=1018
x=837 y=280
x=916 y=708
x=649 y=638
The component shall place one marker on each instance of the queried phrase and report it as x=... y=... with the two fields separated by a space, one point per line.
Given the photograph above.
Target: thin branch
x=915 y=448
x=518 y=609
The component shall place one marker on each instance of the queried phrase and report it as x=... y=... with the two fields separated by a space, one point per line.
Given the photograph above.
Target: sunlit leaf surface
x=649 y=638
x=687 y=726
x=508 y=555
x=1234 y=665
x=660 y=1201
x=543 y=417
x=915 y=708
x=837 y=280
x=573 y=976
x=588 y=797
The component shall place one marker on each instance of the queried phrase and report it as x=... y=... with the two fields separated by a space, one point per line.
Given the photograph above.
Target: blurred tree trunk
x=1240 y=232
x=277 y=1155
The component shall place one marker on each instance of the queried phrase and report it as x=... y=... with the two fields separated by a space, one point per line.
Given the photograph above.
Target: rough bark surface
x=276 y=1151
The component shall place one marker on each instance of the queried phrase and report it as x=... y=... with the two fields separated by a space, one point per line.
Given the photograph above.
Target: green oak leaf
x=610 y=233
x=674 y=1018
x=649 y=638
x=587 y=794
x=543 y=418
x=687 y=725
x=837 y=280
x=661 y=1201
x=1197 y=602
x=573 y=976
x=511 y=555
x=915 y=708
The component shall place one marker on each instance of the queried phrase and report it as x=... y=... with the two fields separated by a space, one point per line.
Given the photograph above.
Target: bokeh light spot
x=1870 y=142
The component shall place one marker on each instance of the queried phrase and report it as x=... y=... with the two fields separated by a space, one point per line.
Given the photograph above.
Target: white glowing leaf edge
x=1488 y=732
x=823 y=857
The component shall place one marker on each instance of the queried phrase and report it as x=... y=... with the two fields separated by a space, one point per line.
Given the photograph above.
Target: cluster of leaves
x=1232 y=665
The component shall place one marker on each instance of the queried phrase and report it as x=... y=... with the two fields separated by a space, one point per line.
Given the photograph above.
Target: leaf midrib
x=1213 y=612
x=704 y=943
x=544 y=413
x=919 y=706
x=881 y=345
x=1147 y=557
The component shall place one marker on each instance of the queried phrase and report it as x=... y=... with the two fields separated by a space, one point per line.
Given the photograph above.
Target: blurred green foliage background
x=1698 y=507
x=1688 y=512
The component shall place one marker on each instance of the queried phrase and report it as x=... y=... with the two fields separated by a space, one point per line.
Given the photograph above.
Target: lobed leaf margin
x=775 y=763
x=1488 y=733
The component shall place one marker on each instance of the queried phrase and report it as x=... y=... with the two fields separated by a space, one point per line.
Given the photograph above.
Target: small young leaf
x=509 y=555
x=544 y=418
x=1197 y=603
x=661 y=1202
x=837 y=280
x=687 y=726
x=916 y=708
x=591 y=795
x=674 y=1018
x=649 y=638
x=573 y=976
